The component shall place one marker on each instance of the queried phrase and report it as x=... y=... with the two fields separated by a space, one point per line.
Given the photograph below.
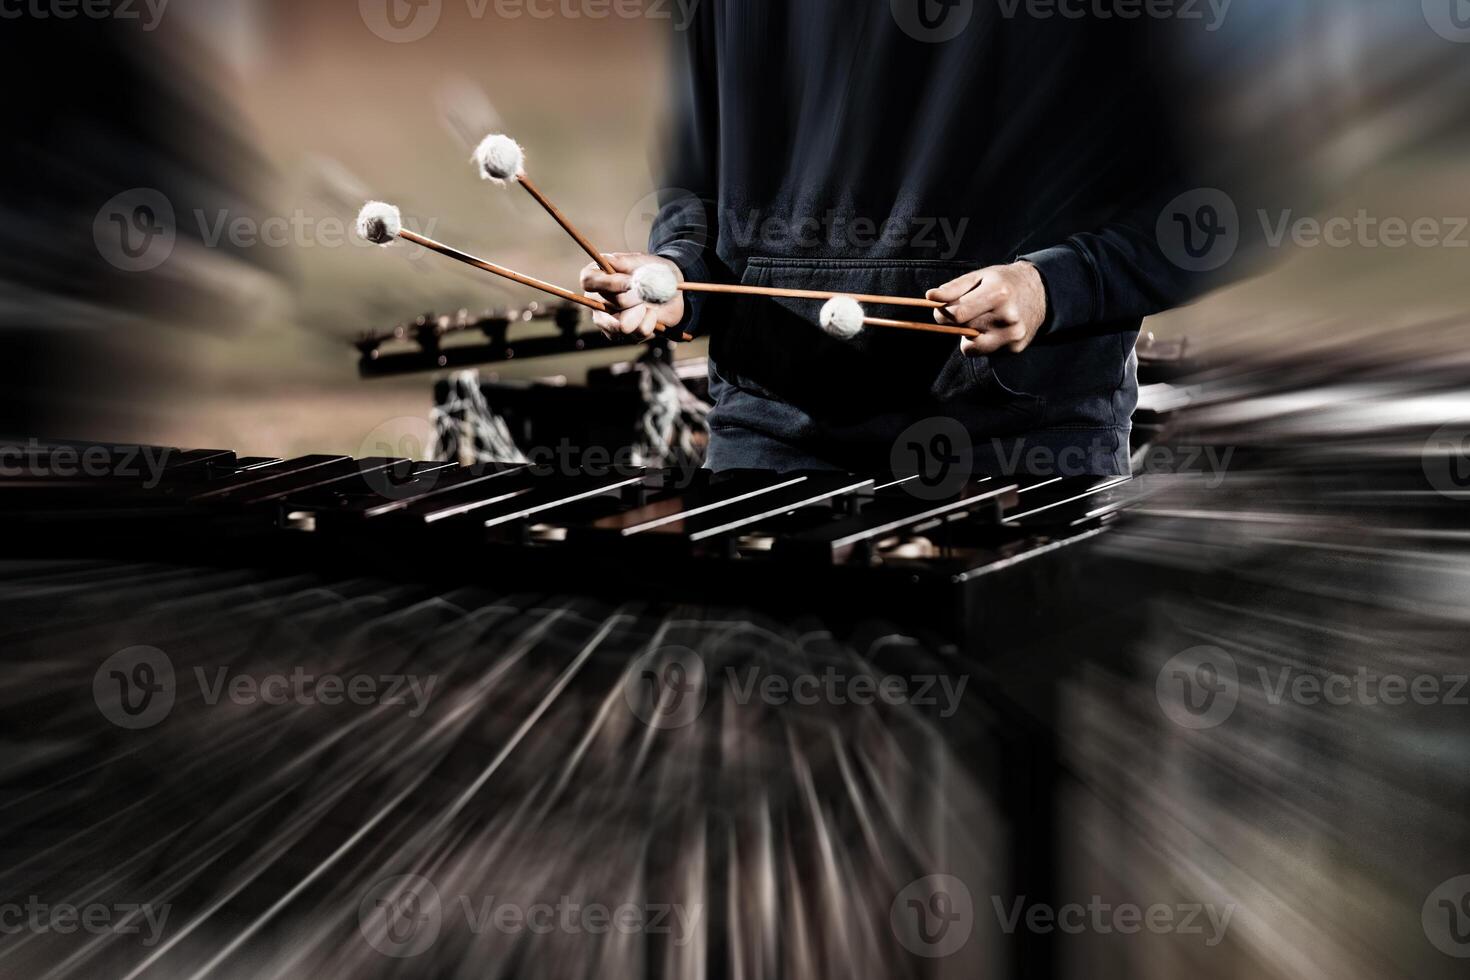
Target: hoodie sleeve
x=684 y=230
x=1173 y=234
x=1116 y=272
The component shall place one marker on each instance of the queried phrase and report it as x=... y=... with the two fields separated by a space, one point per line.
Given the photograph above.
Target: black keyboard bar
x=246 y=463
x=693 y=503
x=562 y=493
x=472 y=496
x=394 y=483
x=810 y=490
x=315 y=478
x=190 y=458
x=457 y=483
x=887 y=516
x=1062 y=500
x=232 y=484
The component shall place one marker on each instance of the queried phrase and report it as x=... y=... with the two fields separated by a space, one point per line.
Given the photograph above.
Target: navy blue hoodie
x=855 y=145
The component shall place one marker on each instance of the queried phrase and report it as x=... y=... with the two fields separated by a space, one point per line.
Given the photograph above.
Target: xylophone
x=478 y=574
x=801 y=541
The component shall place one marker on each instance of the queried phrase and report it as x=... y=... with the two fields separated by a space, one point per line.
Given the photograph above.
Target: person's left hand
x=1006 y=303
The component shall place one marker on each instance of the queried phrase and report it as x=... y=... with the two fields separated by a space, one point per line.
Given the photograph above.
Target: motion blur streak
x=1323 y=582
x=764 y=835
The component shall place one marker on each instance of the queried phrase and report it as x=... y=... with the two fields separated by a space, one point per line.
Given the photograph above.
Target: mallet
x=843 y=317
x=499 y=159
x=382 y=224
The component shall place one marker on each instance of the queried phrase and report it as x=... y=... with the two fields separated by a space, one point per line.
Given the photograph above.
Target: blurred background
x=264 y=124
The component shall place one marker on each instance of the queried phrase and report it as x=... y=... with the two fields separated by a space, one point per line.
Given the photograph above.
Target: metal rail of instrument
x=433 y=342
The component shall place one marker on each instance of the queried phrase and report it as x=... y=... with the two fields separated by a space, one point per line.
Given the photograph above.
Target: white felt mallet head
x=500 y=158
x=379 y=223
x=655 y=283
x=842 y=317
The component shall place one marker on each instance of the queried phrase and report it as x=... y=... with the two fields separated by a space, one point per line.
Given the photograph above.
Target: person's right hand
x=628 y=315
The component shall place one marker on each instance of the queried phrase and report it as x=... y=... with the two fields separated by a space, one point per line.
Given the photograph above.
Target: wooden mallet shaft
x=742 y=290
x=503 y=272
x=500 y=158
x=873 y=321
x=566 y=224
x=514 y=276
